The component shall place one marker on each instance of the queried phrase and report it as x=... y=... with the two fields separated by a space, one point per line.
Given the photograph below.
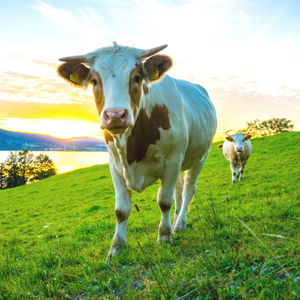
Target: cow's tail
x=220 y=146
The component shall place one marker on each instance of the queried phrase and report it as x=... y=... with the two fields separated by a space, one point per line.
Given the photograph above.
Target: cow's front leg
x=233 y=171
x=242 y=170
x=165 y=201
x=122 y=210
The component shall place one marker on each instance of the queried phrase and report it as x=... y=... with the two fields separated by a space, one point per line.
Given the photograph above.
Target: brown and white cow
x=237 y=149
x=154 y=126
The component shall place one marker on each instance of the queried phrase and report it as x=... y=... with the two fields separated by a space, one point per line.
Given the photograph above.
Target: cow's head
x=239 y=140
x=120 y=78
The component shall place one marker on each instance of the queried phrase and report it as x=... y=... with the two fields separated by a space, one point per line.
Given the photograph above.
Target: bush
x=268 y=127
x=261 y=128
x=23 y=167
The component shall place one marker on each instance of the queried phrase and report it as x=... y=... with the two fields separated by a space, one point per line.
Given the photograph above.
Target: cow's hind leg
x=122 y=210
x=189 y=189
x=178 y=197
x=242 y=170
x=165 y=200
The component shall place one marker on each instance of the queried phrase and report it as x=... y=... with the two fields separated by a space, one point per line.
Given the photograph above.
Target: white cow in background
x=237 y=149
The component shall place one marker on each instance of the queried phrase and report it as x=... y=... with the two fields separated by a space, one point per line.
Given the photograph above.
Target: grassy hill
x=55 y=235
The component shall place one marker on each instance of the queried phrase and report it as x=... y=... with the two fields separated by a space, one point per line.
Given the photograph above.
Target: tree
x=3 y=179
x=23 y=167
x=44 y=167
x=268 y=127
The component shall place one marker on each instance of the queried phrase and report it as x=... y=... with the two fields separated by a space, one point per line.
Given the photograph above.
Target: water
x=66 y=161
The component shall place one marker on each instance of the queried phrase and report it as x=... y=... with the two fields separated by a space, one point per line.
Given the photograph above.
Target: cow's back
x=192 y=116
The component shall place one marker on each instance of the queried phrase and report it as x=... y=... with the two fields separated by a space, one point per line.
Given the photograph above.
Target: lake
x=66 y=161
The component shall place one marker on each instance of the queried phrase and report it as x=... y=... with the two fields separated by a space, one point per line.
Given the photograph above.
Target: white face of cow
x=111 y=79
x=119 y=77
x=239 y=140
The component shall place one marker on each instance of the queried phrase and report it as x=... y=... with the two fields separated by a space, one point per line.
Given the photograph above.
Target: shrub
x=23 y=167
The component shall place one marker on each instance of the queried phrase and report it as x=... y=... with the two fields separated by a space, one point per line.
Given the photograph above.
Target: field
x=242 y=241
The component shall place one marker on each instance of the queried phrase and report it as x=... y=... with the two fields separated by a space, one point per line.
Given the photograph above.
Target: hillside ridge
x=13 y=140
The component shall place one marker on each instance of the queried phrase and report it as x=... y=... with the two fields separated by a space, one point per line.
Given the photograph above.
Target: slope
x=242 y=240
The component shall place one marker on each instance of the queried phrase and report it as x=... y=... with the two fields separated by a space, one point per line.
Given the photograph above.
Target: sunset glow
x=245 y=53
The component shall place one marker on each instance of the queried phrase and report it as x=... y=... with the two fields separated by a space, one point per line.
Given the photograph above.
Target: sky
x=245 y=53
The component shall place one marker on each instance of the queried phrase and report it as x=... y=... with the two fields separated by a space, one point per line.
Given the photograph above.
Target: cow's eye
x=94 y=82
x=244 y=140
x=233 y=140
x=137 y=79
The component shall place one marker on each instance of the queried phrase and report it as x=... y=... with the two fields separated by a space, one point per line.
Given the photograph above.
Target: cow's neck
x=120 y=142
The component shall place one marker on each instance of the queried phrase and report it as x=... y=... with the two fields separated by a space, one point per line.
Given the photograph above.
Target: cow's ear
x=229 y=138
x=157 y=66
x=75 y=73
x=248 y=137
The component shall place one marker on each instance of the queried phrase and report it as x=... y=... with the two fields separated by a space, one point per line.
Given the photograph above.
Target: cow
x=154 y=127
x=237 y=149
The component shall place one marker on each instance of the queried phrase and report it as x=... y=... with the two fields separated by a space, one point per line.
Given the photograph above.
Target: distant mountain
x=11 y=141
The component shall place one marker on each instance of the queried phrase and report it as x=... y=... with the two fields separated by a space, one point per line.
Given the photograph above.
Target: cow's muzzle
x=239 y=149
x=115 y=120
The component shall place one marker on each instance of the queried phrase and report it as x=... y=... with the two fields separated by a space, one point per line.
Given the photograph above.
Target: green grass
x=55 y=235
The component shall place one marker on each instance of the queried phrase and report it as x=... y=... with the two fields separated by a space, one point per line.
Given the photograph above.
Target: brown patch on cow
x=98 y=91
x=246 y=153
x=146 y=132
x=234 y=174
x=120 y=214
x=164 y=207
x=162 y=62
x=242 y=172
x=135 y=87
x=108 y=137
x=229 y=138
x=145 y=88
x=80 y=72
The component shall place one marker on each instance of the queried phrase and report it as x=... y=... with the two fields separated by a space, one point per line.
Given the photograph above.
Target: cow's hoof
x=117 y=245
x=233 y=181
x=241 y=179
x=164 y=239
x=164 y=234
x=112 y=252
x=180 y=226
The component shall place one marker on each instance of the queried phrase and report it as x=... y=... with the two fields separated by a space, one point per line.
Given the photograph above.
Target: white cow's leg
x=165 y=200
x=178 y=197
x=189 y=189
x=242 y=170
x=233 y=171
x=122 y=210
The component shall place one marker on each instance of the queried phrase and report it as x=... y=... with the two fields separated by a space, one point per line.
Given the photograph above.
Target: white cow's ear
x=157 y=65
x=75 y=73
x=248 y=137
x=229 y=138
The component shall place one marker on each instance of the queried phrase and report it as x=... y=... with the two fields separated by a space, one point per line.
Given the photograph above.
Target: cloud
x=23 y=87
x=87 y=24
